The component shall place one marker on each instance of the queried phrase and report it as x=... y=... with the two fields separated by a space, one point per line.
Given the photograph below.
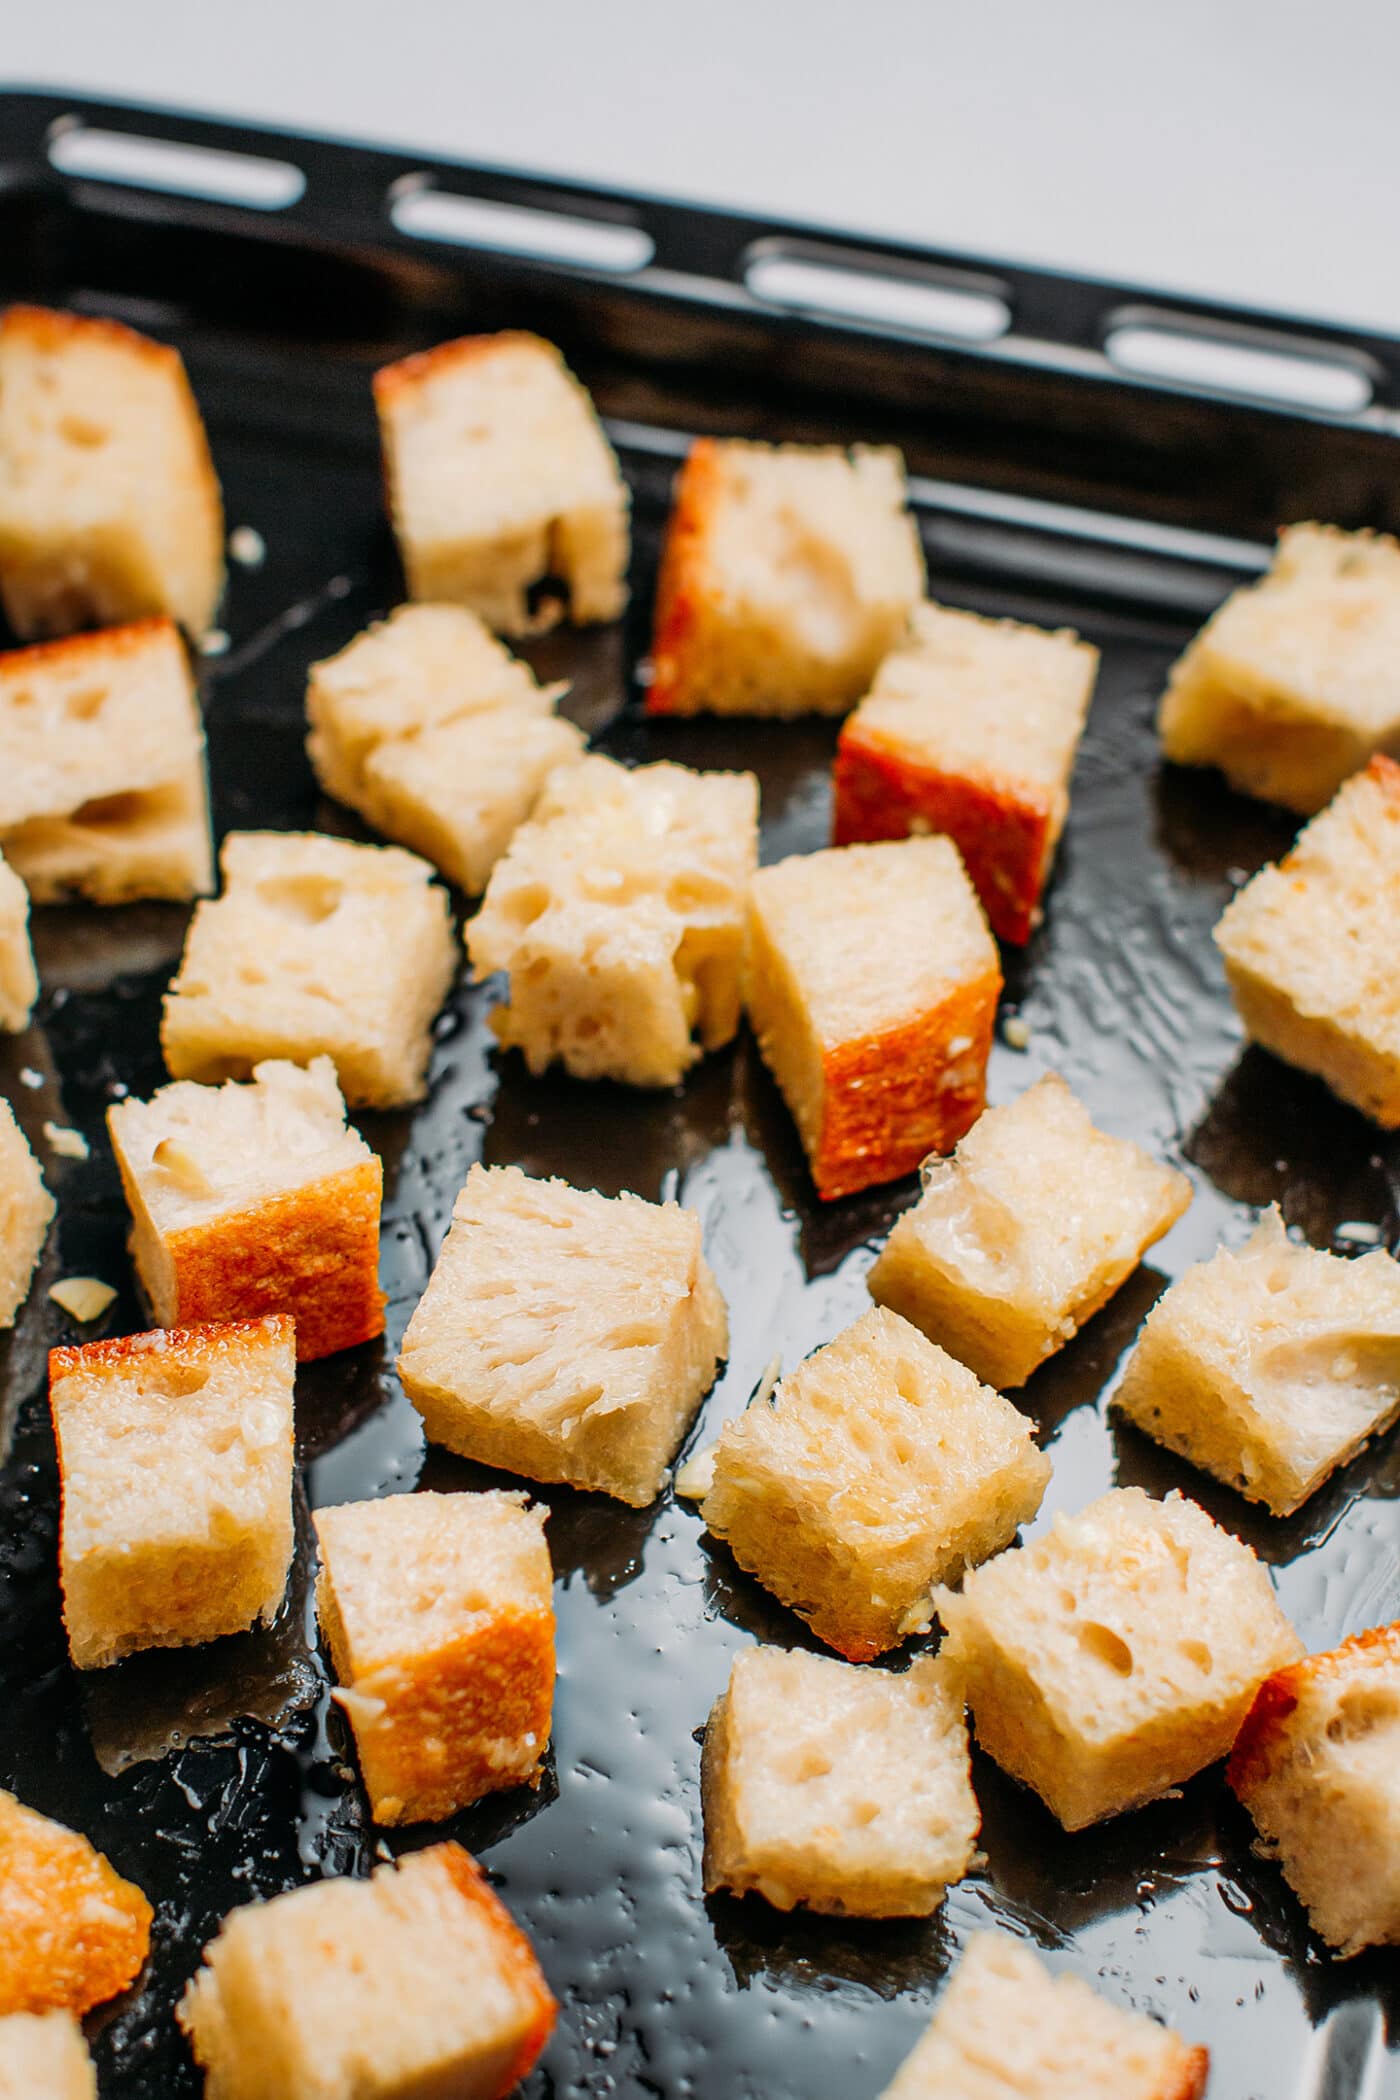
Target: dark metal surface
x=223 y=1774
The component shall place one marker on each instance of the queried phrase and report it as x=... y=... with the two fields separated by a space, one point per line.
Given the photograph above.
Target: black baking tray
x=1048 y=486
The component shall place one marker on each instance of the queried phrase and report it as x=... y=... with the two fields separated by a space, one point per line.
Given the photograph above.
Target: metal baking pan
x=1051 y=484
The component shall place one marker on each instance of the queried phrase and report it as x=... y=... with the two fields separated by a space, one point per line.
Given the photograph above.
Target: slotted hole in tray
x=865 y=289
x=519 y=229
x=1243 y=364
x=138 y=162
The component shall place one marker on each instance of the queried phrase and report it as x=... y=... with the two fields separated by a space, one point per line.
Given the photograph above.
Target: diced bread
x=846 y=1790
x=175 y=1463
x=109 y=504
x=317 y=948
x=871 y=982
x=565 y=1335
x=618 y=914
x=1295 y=682
x=102 y=784
x=1309 y=947
x=1317 y=1764
x=1006 y=2028
x=43 y=2057
x=788 y=572
x=26 y=1212
x=502 y=485
x=413 y=1984
x=254 y=1199
x=1270 y=1367
x=878 y=1469
x=970 y=729
x=439 y=1614
x=1116 y=1655
x=1020 y=1237
x=19 y=980
x=438 y=736
x=72 y=1932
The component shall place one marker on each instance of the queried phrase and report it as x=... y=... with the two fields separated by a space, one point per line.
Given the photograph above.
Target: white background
x=1241 y=149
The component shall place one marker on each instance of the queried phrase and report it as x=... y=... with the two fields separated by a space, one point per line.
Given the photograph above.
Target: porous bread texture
x=439 y=1614
x=26 y=1212
x=72 y=1931
x=1270 y=1367
x=414 y=1983
x=872 y=982
x=19 y=980
x=439 y=737
x=1317 y=1764
x=970 y=730
x=1006 y=2028
x=250 y=1199
x=617 y=913
x=565 y=1335
x=109 y=503
x=878 y=1469
x=317 y=948
x=1309 y=947
x=848 y=1791
x=502 y=484
x=43 y=2057
x=102 y=781
x=1293 y=684
x=788 y=572
x=175 y=1465
x=1020 y=1237
x=1116 y=1655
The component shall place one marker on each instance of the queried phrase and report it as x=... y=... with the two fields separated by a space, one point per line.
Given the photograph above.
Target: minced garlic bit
x=69 y=1144
x=1016 y=1032
x=183 y=1168
x=84 y=1297
x=247 y=547
x=1359 y=1232
x=30 y=1078
x=215 y=643
x=697 y=1476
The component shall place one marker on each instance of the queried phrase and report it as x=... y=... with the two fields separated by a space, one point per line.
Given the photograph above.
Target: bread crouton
x=19 y=980
x=439 y=1615
x=788 y=572
x=1116 y=1655
x=565 y=1335
x=72 y=1932
x=846 y=1790
x=26 y=1212
x=505 y=493
x=43 y=2057
x=1020 y=1237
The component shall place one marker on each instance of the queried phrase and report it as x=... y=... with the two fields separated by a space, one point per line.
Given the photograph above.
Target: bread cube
x=317 y=948
x=1006 y=2028
x=1270 y=1367
x=788 y=572
x=878 y=1469
x=415 y=1983
x=849 y=1791
x=618 y=914
x=565 y=1335
x=437 y=736
x=872 y=983
x=1116 y=1655
x=102 y=787
x=254 y=1199
x=26 y=1212
x=1317 y=1764
x=72 y=1932
x=43 y=2057
x=1308 y=947
x=970 y=730
x=504 y=490
x=175 y=1463
x=19 y=980
x=1292 y=685
x=1020 y=1237
x=109 y=504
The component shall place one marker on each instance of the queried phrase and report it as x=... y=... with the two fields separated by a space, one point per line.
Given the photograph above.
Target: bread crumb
x=84 y=1297
x=697 y=1476
x=1359 y=1232
x=30 y=1078
x=69 y=1144
x=247 y=547
x=1016 y=1032
x=215 y=642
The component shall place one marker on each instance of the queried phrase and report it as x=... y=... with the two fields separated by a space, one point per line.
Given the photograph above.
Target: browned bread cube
x=878 y=1469
x=847 y=1790
x=1117 y=1654
x=175 y=1462
x=1309 y=947
x=109 y=505
x=872 y=982
x=789 y=571
x=1020 y=1237
x=43 y=2057
x=72 y=1932
x=254 y=1199
x=26 y=1212
x=19 y=980
x=413 y=1984
x=439 y=1614
x=502 y=481
x=565 y=1335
